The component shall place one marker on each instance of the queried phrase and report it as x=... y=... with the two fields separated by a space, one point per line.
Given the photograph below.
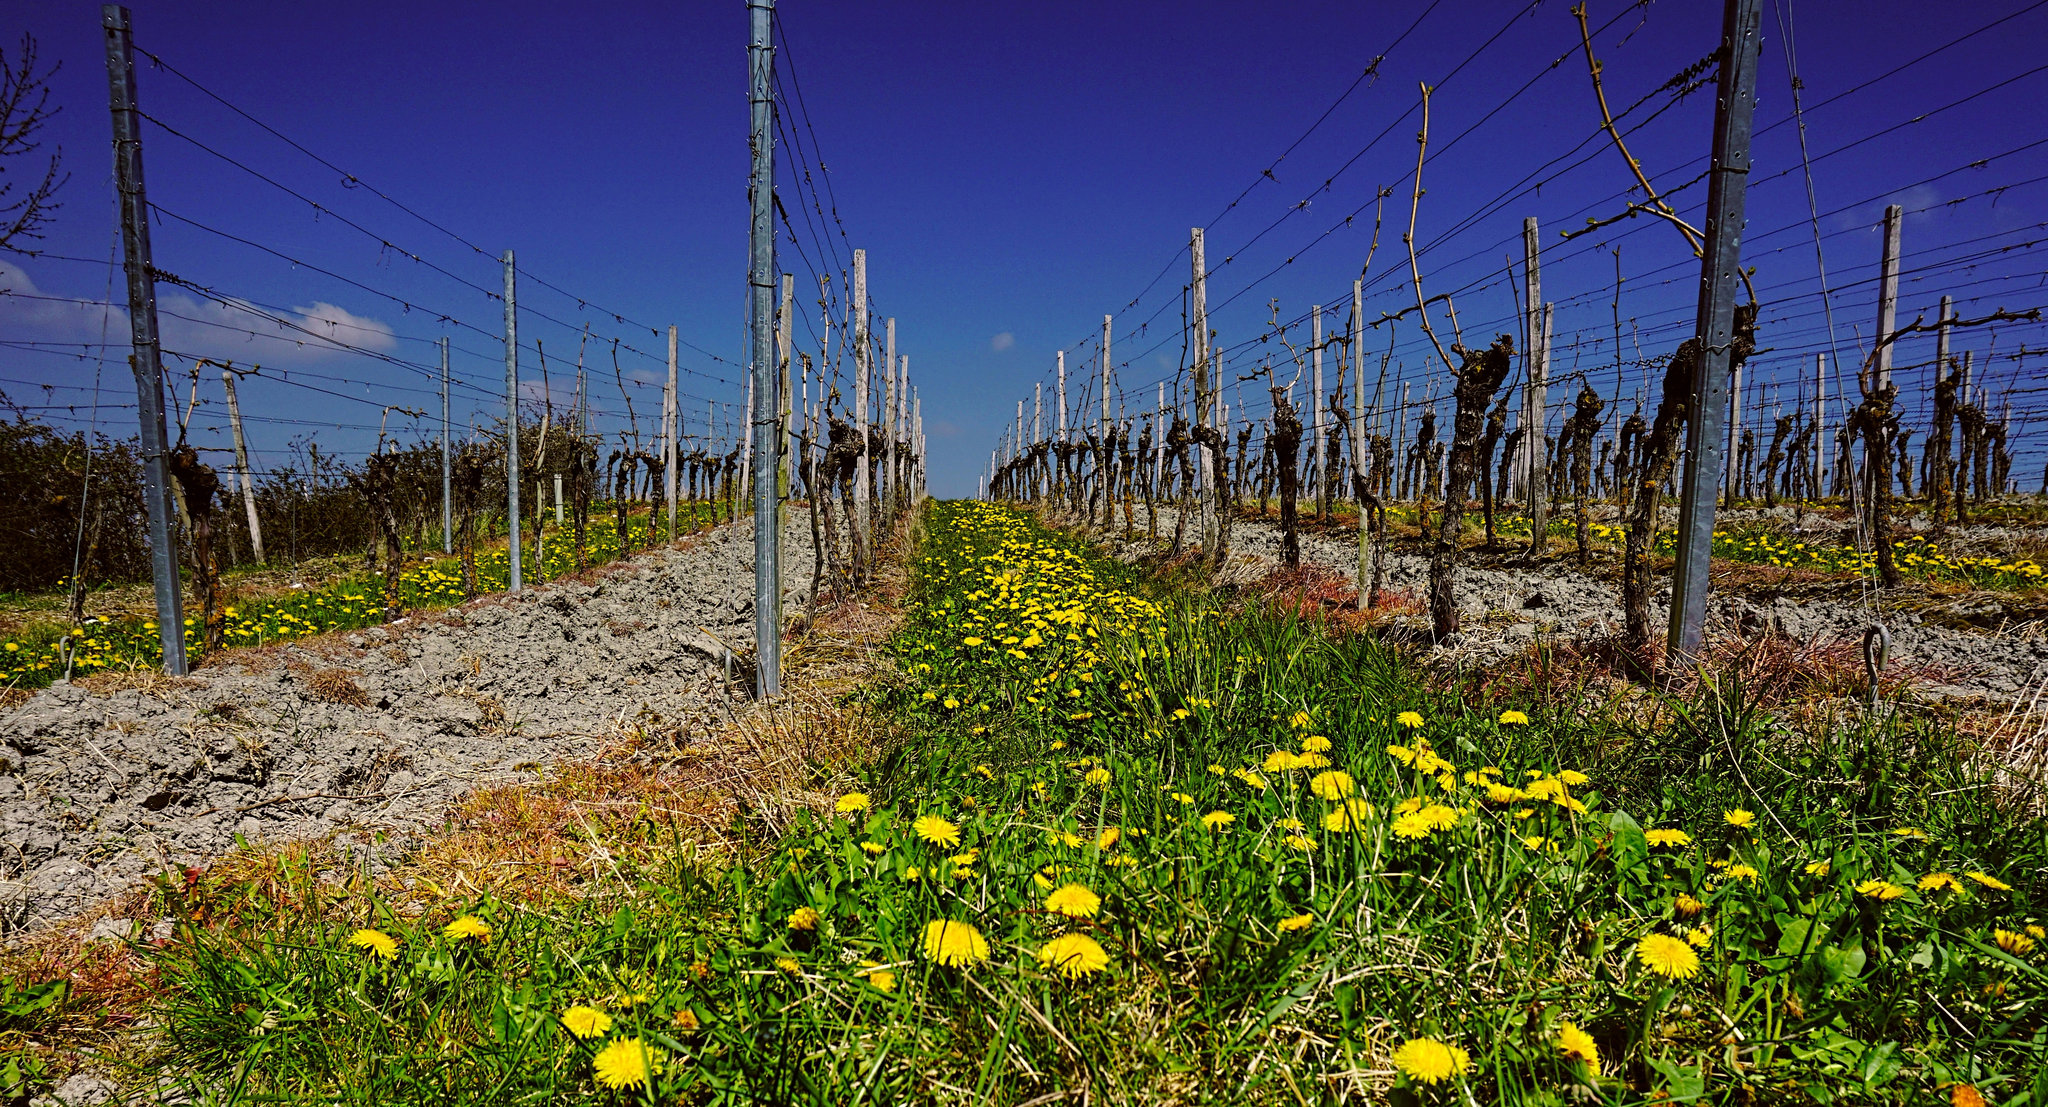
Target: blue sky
x=1014 y=172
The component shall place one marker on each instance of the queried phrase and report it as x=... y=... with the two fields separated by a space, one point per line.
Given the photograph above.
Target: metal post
x=447 y=510
x=146 y=360
x=1198 y=317
x=1535 y=398
x=227 y=380
x=669 y=410
x=511 y=427
x=857 y=312
x=1719 y=270
x=761 y=350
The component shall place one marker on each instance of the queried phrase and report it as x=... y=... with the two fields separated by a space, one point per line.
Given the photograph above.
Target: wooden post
x=227 y=380
x=784 y=336
x=447 y=509
x=1359 y=446
x=1730 y=463
x=889 y=422
x=1317 y=451
x=1820 y=391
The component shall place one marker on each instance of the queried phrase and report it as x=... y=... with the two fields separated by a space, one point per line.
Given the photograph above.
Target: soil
x=1962 y=646
x=369 y=733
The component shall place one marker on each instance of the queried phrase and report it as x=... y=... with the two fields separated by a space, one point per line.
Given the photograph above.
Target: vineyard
x=1581 y=638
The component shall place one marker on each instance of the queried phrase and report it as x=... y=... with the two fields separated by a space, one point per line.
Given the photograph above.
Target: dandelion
x=2013 y=942
x=1413 y=721
x=1739 y=819
x=1097 y=776
x=881 y=978
x=1883 y=891
x=1300 y=720
x=1989 y=881
x=1109 y=837
x=1668 y=956
x=1577 y=1045
x=1912 y=832
x=873 y=849
x=1217 y=820
x=1819 y=868
x=803 y=918
x=937 y=831
x=851 y=802
x=1573 y=777
x=1301 y=844
x=1333 y=785
x=1687 y=906
x=1315 y=743
x=1292 y=923
x=1073 y=956
x=1349 y=817
x=1514 y=718
x=1665 y=837
x=1431 y=1061
x=468 y=928
x=627 y=1063
x=1940 y=882
x=586 y=1022
x=376 y=943
x=1074 y=901
x=685 y=1021
x=953 y=943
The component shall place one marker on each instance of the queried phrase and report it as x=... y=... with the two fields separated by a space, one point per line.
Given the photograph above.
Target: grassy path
x=1129 y=841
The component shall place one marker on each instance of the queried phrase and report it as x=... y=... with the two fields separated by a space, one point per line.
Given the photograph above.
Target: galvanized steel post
x=761 y=352
x=146 y=360
x=1727 y=187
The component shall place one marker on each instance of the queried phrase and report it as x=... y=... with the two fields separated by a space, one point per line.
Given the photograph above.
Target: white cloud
x=235 y=330
x=1002 y=342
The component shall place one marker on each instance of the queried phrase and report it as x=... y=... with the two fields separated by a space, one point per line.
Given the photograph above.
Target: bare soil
x=366 y=733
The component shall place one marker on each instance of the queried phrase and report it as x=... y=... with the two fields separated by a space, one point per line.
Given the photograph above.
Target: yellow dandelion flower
x=375 y=942
x=2013 y=942
x=468 y=928
x=803 y=918
x=1097 y=776
x=1431 y=1061
x=586 y=1022
x=1700 y=936
x=1315 y=743
x=627 y=1063
x=882 y=979
x=1573 y=777
x=873 y=849
x=1819 y=868
x=1109 y=837
x=1940 y=882
x=1300 y=720
x=1884 y=891
x=1301 y=844
x=937 y=831
x=1739 y=819
x=1292 y=923
x=1333 y=785
x=1410 y=719
x=1217 y=820
x=851 y=802
x=1577 y=1045
x=1665 y=837
x=954 y=943
x=1512 y=717
x=1912 y=832
x=685 y=1021
x=1073 y=956
x=1668 y=956
x=1989 y=881
x=1075 y=901
x=1686 y=905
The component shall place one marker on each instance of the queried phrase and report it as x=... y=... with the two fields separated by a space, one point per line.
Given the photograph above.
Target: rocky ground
x=1506 y=604
x=369 y=732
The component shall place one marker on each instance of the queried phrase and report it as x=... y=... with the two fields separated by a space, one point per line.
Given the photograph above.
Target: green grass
x=1403 y=861
x=40 y=653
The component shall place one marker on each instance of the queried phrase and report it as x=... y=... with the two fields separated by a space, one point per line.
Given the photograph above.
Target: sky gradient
x=1014 y=172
